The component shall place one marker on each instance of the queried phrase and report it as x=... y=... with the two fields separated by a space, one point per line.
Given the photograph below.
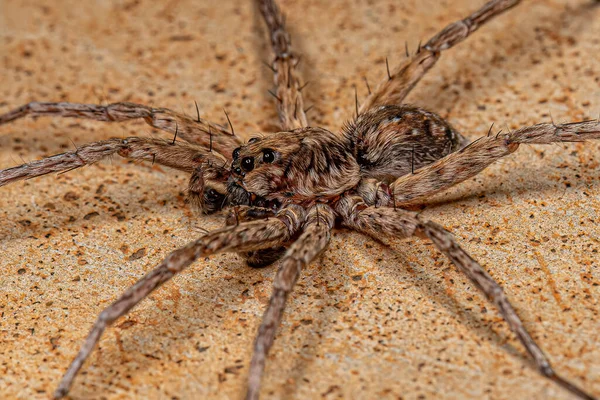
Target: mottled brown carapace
x=284 y=192
x=297 y=166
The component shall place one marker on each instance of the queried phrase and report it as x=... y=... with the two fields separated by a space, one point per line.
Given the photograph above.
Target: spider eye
x=253 y=140
x=247 y=164
x=212 y=194
x=268 y=155
x=236 y=153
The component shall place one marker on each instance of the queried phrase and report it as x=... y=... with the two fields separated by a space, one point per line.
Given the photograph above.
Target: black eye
x=247 y=164
x=212 y=194
x=236 y=153
x=268 y=155
x=253 y=140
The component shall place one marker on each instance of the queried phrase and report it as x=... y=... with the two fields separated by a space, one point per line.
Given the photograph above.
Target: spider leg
x=444 y=241
x=179 y=155
x=193 y=130
x=406 y=75
x=400 y=223
x=472 y=159
x=314 y=238
x=243 y=237
x=290 y=105
x=257 y=258
x=243 y=213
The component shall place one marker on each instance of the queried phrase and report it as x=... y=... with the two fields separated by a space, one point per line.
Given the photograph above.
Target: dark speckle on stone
x=90 y=215
x=138 y=254
x=202 y=349
x=71 y=196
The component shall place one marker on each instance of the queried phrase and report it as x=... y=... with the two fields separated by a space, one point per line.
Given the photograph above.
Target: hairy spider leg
x=197 y=131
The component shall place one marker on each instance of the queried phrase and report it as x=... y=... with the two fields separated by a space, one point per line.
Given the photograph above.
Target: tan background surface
x=367 y=320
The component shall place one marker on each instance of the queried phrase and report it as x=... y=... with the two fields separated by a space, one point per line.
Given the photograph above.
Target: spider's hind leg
x=406 y=75
x=472 y=159
x=402 y=224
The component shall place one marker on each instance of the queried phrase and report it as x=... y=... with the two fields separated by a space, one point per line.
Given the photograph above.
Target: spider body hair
x=391 y=141
x=310 y=164
x=286 y=191
x=297 y=166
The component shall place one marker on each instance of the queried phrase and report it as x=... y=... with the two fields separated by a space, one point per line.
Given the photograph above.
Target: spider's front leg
x=178 y=155
x=406 y=75
x=193 y=130
x=314 y=238
x=257 y=258
x=401 y=224
x=244 y=237
x=471 y=160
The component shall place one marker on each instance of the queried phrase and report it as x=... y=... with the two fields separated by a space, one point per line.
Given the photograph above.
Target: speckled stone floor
x=368 y=320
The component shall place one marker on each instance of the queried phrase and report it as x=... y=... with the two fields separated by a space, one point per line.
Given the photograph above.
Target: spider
x=288 y=189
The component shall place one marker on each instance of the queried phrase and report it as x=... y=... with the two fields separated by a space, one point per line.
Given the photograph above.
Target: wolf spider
x=286 y=191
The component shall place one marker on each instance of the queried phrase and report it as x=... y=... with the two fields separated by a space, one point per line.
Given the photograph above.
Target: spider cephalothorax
x=284 y=192
x=296 y=166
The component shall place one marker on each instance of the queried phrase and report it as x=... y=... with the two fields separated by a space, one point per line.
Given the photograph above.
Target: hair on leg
x=243 y=237
x=314 y=238
x=193 y=130
x=406 y=75
x=290 y=105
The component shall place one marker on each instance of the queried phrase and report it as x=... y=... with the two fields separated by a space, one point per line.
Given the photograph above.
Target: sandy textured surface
x=368 y=320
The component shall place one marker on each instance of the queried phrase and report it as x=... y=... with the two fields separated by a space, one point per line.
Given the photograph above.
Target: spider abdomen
x=391 y=141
